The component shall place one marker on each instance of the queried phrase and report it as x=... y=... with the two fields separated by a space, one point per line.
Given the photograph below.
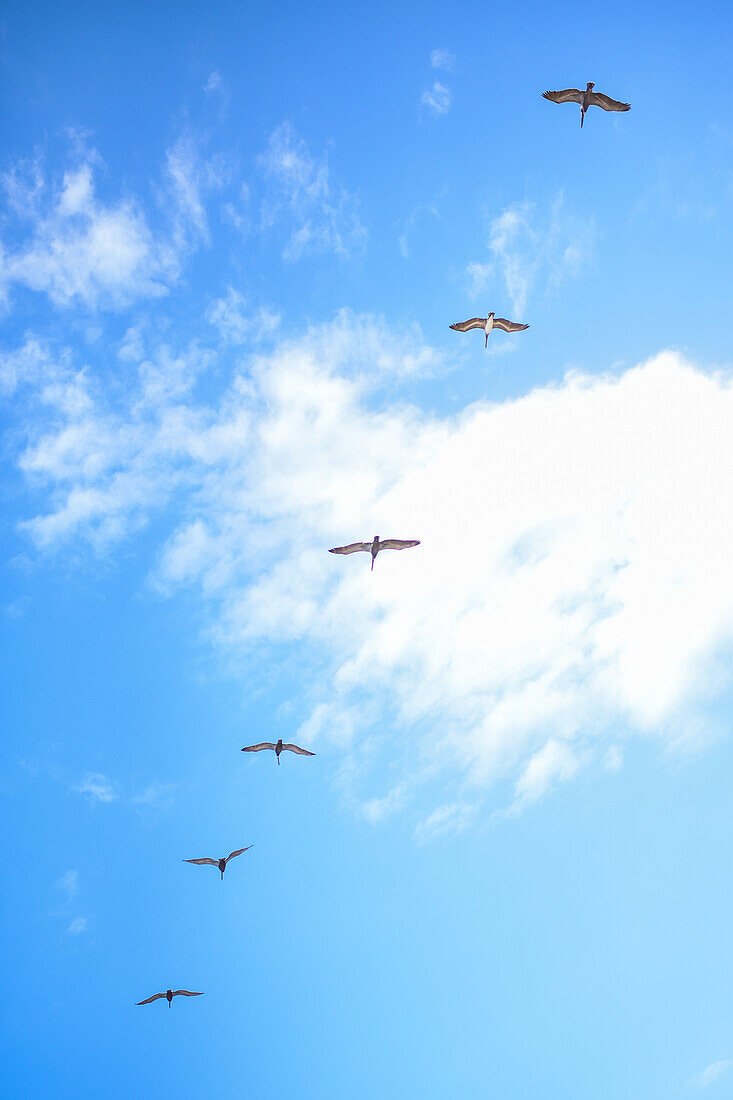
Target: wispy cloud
x=77 y=926
x=710 y=1074
x=79 y=248
x=319 y=213
x=423 y=210
x=445 y=821
x=529 y=248
x=236 y=323
x=69 y=884
x=97 y=788
x=437 y=99
x=552 y=601
x=443 y=59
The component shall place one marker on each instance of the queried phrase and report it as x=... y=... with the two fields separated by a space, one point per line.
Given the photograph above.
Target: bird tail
x=372 y=568
x=582 y=117
x=486 y=339
x=222 y=876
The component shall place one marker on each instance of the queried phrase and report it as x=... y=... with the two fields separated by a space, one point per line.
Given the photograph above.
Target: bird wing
x=465 y=326
x=598 y=99
x=183 y=993
x=258 y=748
x=297 y=748
x=351 y=548
x=155 y=997
x=398 y=544
x=508 y=326
x=565 y=95
x=213 y=862
x=237 y=853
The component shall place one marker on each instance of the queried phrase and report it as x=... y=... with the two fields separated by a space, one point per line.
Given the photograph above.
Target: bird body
x=487 y=324
x=220 y=863
x=278 y=747
x=586 y=99
x=169 y=995
x=375 y=546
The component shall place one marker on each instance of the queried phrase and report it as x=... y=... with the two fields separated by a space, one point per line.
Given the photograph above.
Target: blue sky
x=232 y=240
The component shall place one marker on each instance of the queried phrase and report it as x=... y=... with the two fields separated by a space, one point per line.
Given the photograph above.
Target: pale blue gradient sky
x=505 y=871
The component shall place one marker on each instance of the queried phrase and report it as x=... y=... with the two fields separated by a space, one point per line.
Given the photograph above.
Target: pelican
x=586 y=99
x=277 y=749
x=374 y=547
x=220 y=863
x=169 y=995
x=487 y=323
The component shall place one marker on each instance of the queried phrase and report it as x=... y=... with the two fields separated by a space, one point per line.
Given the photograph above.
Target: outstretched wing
x=212 y=862
x=297 y=748
x=465 y=326
x=184 y=993
x=598 y=99
x=237 y=853
x=565 y=95
x=397 y=544
x=352 y=548
x=258 y=748
x=508 y=326
x=155 y=997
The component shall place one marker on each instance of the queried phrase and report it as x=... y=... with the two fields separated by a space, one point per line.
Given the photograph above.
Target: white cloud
x=443 y=59
x=214 y=83
x=97 y=788
x=69 y=883
x=438 y=98
x=235 y=322
x=530 y=247
x=710 y=1074
x=77 y=926
x=321 y=214
x=80 y=248
x=564 y=593
x=444 y=821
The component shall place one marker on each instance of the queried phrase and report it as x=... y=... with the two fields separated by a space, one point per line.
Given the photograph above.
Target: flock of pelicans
x=585 y=99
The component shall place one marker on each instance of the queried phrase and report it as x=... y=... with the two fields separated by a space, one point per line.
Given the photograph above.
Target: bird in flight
x=586 y=99
x=277 y=749
x=169 y=995
x=220 y=863
x=487 y=323
x=374 y=547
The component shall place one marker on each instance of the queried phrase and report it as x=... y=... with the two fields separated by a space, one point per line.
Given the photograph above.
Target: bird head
x=376 y=538
x=493 y=313
x=591 y=85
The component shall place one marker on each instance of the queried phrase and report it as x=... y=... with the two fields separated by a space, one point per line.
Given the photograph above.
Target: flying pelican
x=220 y=863
x=277 y=748
x=374 y=547
x=487 y=323
x=169 y=995
x=586 y=99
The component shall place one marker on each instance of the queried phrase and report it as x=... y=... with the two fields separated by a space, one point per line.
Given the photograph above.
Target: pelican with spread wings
x=220 y=863
x=586 y=99
x=375 y=546
x=277 y=748
x=487 y=324
x=169 y=995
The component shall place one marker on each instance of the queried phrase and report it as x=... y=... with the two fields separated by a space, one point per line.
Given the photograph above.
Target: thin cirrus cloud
x=443 y=59
x=532 y=248
x=710 y=1074
x=437 y=99
x=315 y=211
x=555 y=607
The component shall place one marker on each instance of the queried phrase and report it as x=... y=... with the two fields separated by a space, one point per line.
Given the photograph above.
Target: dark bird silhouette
x=487 y=324
x=169 y=995
x=586 y=99
x=277 y=748
x=220 y=863
x=374 y=547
